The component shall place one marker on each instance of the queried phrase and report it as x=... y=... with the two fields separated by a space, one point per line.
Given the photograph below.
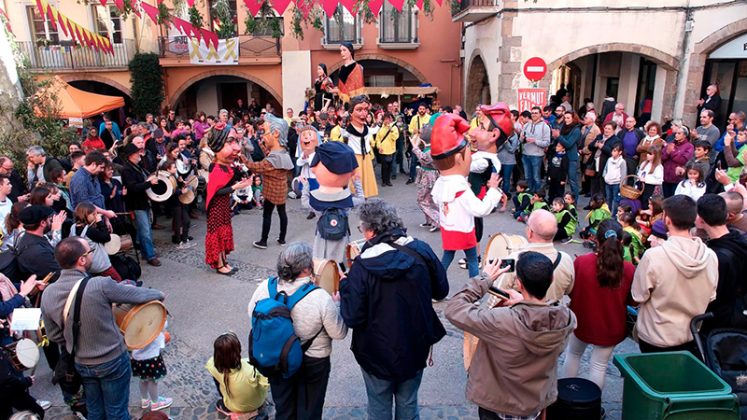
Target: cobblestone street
x=203 y=305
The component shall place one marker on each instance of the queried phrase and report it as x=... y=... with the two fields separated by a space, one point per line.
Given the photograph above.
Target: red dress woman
x=350 y=83
x=223 y=180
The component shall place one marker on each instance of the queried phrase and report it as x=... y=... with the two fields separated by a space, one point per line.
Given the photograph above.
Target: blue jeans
x=612 y=195
x=380 y=393
x=573 y=178
x=107 y=388
x=470 y=254
x=532 y=166
x=144 y=234
x=506 y=171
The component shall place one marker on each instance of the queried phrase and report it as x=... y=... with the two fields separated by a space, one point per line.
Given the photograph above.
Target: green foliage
x=195 y=17
x=164 y=14
x=264 y=23
x=35 y=122
x=222 y=12
x=146 y=76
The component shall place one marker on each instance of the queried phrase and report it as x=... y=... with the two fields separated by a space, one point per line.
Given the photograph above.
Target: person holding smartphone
x=520 y=339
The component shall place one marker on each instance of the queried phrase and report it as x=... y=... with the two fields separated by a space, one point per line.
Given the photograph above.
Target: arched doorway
x=726 y=67
x=212 y=93
x=634 y=75
x=478 y=85
x=102 y=88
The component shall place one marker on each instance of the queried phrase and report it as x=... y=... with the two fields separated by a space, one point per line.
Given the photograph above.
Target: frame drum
x=501 y=245
x=327 y=275
x=140 y=324
x=352 y=250
x=163 y=190
x=24 y=354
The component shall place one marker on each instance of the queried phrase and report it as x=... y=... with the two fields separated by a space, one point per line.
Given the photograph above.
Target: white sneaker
x=144 y=403
x=161 y=404
x=44 y=404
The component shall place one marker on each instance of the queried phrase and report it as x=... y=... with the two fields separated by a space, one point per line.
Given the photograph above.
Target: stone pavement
x=203 y=305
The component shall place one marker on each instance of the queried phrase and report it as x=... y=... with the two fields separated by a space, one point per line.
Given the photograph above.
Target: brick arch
x=173 y=99
x=698 y=57
x=668 y=61
x=383 y=57
x=96 y=78
x=476 y=74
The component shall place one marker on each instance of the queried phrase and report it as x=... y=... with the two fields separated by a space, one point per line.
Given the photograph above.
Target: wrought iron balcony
x=68 y=56
x=474 y=10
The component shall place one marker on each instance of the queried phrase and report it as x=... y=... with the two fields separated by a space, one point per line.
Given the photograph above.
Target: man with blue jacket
x=386 y=301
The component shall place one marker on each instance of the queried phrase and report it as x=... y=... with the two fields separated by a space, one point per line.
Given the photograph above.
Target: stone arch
x=383 y=57
x=96 y=78
x=668 y=61
x=477 y=83
x=174 y=98
x=698 y=57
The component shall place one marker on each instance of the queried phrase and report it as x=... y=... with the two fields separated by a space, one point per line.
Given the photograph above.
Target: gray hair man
x=540 y=232
x=40 y=166
x=316 y=322
x=386 y=300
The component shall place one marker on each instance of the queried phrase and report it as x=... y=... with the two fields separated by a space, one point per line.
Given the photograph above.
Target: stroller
x=724 y=351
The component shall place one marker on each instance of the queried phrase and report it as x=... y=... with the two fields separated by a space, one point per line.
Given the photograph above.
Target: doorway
x=230 y=92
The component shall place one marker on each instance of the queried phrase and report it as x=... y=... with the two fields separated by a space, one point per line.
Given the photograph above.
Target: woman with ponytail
x=600 y=293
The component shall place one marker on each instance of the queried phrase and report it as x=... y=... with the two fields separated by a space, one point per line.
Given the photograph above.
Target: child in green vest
x=570 y=205
x=599 y=212
x=522 y=199
x=537 y=202
x=566 y=222
x=634 y=250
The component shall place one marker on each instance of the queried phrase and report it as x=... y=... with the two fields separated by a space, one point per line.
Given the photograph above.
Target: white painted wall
x=297 y=76
x=485 y=37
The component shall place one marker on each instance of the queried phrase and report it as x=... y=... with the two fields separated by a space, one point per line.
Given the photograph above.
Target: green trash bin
x=673 y=386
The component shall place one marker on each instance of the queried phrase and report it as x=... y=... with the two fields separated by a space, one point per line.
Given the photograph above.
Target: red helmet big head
x=447 y=136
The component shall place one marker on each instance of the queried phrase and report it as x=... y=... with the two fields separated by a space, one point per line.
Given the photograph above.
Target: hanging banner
x=227 y=53
x=529 y=98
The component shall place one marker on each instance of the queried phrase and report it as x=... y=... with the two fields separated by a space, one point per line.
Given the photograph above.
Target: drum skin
x=140 y=324
x=327 y=275
x=24 y=354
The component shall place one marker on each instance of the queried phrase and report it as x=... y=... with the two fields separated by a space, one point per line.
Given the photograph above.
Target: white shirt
x=655 y=178
x=5 y=207
x=694 y=191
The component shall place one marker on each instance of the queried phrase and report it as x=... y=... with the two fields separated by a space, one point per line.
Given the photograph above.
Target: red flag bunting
x=119 y=4
x=349 y=5
x=375 y=6
x=280 y=5
x=398 y=4
x=329 y=6
x=419 y=3
x=152 y=12
x=253 y=6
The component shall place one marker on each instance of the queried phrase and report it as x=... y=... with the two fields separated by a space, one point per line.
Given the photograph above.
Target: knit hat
x=33 y=215
x=500 y=115
x=218 y=137
x=659 y=229
x=447 y=136
x=337 y=157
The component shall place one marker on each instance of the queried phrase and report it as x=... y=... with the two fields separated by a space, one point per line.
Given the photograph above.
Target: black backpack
x=126 y=266
x=333 y=224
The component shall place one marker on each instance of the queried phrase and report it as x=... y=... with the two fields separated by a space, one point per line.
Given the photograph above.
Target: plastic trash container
x=673 y=385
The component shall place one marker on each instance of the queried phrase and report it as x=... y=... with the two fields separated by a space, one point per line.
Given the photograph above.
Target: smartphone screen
x=500 y=294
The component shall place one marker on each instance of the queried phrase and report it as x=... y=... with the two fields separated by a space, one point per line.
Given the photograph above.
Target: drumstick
x=48 y=277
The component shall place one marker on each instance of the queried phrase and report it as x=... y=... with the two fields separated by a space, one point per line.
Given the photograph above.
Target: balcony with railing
x=399 y=31
x=474 y=10
x=174 y=51
x=67 y=56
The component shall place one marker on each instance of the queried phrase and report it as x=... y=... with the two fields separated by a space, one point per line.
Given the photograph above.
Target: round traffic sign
x=535 y=69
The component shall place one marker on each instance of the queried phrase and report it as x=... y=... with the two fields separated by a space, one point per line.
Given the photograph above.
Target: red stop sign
x=535 y=69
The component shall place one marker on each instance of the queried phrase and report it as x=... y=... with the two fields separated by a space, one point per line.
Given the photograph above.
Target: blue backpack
x=274 y=347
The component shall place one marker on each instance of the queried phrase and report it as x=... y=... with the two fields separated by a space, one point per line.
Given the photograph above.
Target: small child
x=537 y=202
x=647 y=217
x=634 y=250
x=570 y=204
x=522 y=199
x=242 y=199
x=258 y=199
x=148 y=365
x=701 y=155
x=694 y=186
x=599 y=213
x=651 y=173
x=557 y=172
x=614 y=174
x=566 y=222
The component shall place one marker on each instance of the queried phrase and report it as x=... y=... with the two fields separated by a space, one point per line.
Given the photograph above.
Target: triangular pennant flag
x=78 y=35
x=349 y=5
x=191 y=3
x=103 y=2
x=304 y=7
x=62 y=23
x=419 y=3
x=253 y=6
x=52 y=16
x=209 y=37
x=152 y=12
x=119 y=4
x=280 y=5
x=70 y=27
x=329 y=6
x=398 y=4
x=42 y=6
x=375 y=6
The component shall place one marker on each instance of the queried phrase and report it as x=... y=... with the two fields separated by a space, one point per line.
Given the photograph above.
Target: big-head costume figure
x=493 y=129
x=223 y=180
x=308 y=138
x=458 y=205
x=334 y=165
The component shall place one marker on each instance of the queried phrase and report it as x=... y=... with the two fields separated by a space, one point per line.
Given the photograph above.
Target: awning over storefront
x=74 y=103
x=402 y=90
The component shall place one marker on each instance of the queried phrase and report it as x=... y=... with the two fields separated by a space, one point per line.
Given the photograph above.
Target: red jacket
x=600 y=311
